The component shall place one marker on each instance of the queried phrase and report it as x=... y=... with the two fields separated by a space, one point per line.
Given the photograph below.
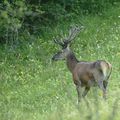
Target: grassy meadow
x=32 y=87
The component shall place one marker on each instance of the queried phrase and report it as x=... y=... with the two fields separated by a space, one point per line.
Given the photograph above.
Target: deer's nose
x=53 y=58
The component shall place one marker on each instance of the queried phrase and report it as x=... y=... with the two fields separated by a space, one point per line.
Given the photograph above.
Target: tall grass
x=34 y=88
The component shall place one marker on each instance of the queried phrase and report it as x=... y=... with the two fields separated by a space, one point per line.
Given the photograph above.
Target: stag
x=85 y=74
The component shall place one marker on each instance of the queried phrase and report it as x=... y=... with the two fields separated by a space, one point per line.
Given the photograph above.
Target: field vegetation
x=32 y=87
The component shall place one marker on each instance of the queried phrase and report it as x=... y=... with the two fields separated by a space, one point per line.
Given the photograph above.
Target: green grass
x=34 y=88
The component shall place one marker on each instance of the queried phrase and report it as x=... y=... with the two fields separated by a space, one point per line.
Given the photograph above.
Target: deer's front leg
x=85 y=91
x=78 y=88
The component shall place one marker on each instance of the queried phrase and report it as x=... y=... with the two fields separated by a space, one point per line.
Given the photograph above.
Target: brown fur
x=85 y=71
x=88 y=74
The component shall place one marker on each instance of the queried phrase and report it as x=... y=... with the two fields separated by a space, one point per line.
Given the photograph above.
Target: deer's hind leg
x=105 y=83
x=102 y=87
x=100 y=81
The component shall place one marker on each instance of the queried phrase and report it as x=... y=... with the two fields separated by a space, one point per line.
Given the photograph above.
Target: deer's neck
x=71 y=61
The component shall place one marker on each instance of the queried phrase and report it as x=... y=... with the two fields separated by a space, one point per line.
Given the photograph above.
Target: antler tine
x=58 y=42
x=72 y=34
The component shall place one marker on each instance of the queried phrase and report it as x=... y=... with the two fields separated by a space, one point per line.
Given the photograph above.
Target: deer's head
x=65 y=43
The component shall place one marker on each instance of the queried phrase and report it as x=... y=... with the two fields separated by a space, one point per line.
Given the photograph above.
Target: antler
x=73 y=32
x=58 y=42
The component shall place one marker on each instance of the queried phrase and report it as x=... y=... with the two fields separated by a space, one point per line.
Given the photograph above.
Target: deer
x=85 y=74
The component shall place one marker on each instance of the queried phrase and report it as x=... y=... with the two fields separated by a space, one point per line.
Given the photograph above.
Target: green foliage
x=11 y=20
x=30 y=18
x=13 y=17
